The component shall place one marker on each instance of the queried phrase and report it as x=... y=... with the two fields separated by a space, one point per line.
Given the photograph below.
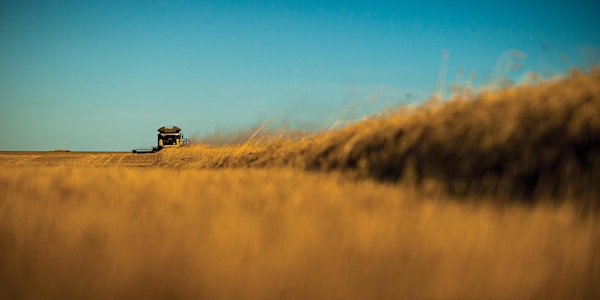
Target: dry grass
x=525 y=143
x=426 y=203
x=120 y=233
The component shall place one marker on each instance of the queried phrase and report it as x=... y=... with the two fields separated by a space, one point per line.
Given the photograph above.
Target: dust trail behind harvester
x=525 y=141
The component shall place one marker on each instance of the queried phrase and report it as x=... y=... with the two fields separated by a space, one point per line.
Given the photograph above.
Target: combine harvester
x=168 y=137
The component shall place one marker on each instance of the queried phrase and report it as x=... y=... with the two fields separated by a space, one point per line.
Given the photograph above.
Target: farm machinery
x=168 y=137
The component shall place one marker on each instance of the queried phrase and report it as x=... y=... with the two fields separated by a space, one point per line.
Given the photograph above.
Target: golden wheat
x=482 y=198
x=277 y=233
x=524 y=143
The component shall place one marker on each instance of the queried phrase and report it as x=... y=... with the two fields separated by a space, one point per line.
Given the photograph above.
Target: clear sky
x=104 y=75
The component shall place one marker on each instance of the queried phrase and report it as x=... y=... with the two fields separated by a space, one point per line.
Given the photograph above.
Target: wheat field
x=493 y=196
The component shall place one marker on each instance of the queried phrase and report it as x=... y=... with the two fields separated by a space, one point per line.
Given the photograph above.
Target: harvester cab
x=171 y=137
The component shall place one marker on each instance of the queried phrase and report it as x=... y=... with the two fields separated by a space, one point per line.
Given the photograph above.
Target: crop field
x=492 y=196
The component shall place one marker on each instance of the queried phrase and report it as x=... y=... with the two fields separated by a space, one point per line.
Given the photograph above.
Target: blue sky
x=104 y=75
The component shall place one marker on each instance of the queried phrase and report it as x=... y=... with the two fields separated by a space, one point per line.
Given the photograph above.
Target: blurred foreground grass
x=119 y=233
